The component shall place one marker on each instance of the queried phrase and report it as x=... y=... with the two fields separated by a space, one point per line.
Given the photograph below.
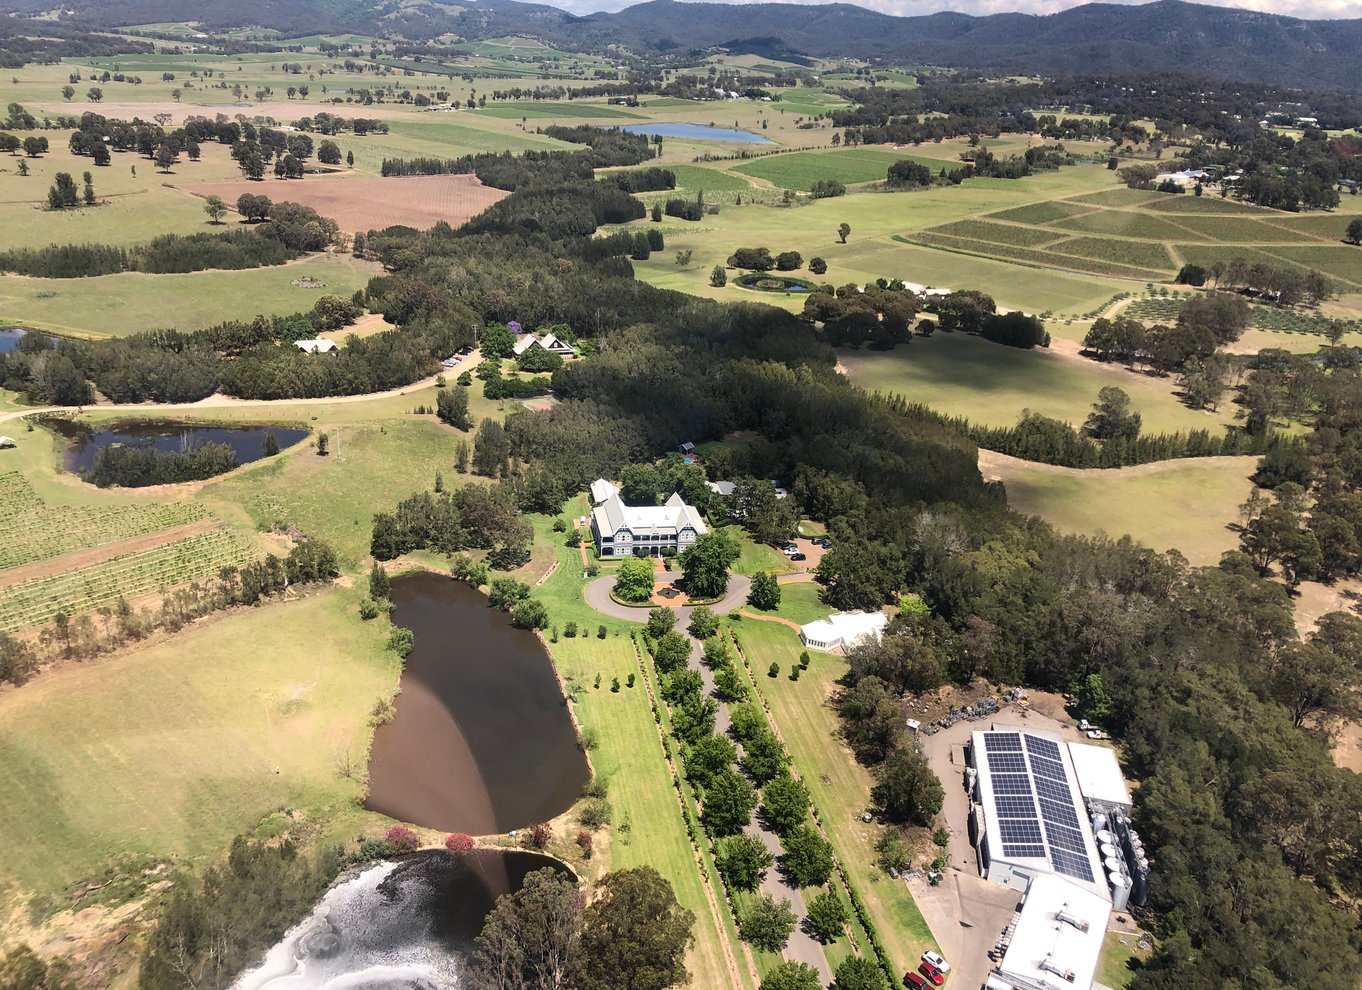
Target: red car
x=932 y=973
x=914 y=981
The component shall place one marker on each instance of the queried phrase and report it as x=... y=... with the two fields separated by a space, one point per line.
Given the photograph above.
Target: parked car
x=911 y=979
x=799 y=556
x=790 y=550
x=1097 y=734
x=936 y=960
x=934 y=975
x=822 y=542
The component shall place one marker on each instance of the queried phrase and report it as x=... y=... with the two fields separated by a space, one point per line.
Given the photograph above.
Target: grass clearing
x=131 y=302
x=801 y=169
x=990 y=384
x=573 y=110
x=1184 y=504
x=172 y=748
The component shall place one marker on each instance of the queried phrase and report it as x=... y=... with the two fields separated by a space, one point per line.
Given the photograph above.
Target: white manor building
x=642 y=530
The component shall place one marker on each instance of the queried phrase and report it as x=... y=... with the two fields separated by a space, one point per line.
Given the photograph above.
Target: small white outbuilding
x=842 y=630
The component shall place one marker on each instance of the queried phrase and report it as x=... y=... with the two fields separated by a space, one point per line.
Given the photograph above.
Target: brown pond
x=482 y=741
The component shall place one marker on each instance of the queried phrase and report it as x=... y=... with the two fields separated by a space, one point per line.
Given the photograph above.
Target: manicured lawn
x=988 y=383
x=173 y=748
x=1183 y=504
x=799 y=603
x=647 y=827
x=840 y=787
x=131 y=302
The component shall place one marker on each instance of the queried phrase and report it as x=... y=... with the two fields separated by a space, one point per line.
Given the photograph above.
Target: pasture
x=130 y=302
x=1185 y=505
x=172 y=748
x=991 y=384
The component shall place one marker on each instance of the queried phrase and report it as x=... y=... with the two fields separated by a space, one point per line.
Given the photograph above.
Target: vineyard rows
x=38 y=532
x=130 y=576
x=16 y=496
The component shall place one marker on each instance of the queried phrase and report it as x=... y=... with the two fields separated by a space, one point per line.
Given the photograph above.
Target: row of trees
x=164 y=254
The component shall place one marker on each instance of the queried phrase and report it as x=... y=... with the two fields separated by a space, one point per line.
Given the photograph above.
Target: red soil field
x=371 y=204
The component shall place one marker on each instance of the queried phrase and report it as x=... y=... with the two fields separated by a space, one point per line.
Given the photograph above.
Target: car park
x=935 y=959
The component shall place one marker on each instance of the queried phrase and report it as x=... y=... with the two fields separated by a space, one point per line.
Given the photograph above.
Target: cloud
x=906 y=8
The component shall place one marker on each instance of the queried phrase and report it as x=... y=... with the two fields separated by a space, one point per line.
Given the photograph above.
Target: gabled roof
x=613 y=515
x=317 y=345
x=602 y=491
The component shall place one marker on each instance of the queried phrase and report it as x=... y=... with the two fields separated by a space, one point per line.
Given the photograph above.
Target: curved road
x=801 y=947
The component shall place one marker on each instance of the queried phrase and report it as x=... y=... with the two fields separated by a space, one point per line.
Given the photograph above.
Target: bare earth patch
x=371 y=204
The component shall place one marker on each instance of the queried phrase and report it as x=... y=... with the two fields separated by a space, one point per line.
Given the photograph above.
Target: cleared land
x=371 y=204
x=130 y=302
x=990 y=384
x=1185 y=504
x=171 y=749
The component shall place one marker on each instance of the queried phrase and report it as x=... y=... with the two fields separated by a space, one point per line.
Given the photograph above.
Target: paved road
x=597 y=595
x=801 y=947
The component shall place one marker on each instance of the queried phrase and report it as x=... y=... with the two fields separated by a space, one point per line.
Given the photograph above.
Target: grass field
x=801 y=169
x=990 y=384
x=174 y=748
x=130 y=302
x=1179 y=504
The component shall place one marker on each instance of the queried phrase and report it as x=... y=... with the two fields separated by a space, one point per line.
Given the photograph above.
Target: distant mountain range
x=1098 y=38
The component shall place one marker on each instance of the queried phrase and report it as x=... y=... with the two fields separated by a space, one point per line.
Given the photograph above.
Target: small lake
x=481 y=741
x=395 y=925
x=248 y=442
x=10 y=337
x=696 y=132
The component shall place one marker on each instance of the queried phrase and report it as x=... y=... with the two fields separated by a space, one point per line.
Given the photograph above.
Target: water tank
x=1106 y=835
x=1139 y=888
x=1108 y=850
x=1114 y=864
x=1120 y=891
x=1099 y=822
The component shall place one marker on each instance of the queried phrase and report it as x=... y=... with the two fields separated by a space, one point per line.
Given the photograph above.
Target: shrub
x=401 y=839
x=459 y=843
x=595 y=814
x=537 y=836
x=402 y=641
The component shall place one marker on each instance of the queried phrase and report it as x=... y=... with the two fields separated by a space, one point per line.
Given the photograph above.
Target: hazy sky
x=1297 y=8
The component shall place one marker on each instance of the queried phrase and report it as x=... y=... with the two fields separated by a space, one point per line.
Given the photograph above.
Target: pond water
x=9 y=338
x=696 y=132
x=402 y=924
x=248 y=442
x=481 y=741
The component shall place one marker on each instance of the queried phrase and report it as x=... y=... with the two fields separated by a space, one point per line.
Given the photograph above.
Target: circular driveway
x=597 y=595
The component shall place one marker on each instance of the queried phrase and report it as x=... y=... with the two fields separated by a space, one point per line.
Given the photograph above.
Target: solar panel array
x=1034 y=804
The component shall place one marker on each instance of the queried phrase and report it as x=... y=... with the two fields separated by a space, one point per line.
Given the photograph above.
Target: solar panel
x=1018 y=806
x=1007 y=762
x=1052 y=769
x=1002 y=742
x=1011 y=783
x=1042 y=747
x=1055 y=813
x=1035 y=807
x=1071 y=865
x=1055 y=790
x=1022 y=832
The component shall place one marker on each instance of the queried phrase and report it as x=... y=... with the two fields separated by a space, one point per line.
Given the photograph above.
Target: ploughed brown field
x=418 y=201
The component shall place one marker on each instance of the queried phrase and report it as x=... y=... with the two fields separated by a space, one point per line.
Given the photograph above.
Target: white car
x=937 y=961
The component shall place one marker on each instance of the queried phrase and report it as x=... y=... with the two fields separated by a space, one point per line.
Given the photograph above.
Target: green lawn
x=840 y=787
x=130 y=302
x=570 y=109
x=799 y=602
x=990 y=384
x=801 y=169
x=173 y=748
x=1186 y=504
